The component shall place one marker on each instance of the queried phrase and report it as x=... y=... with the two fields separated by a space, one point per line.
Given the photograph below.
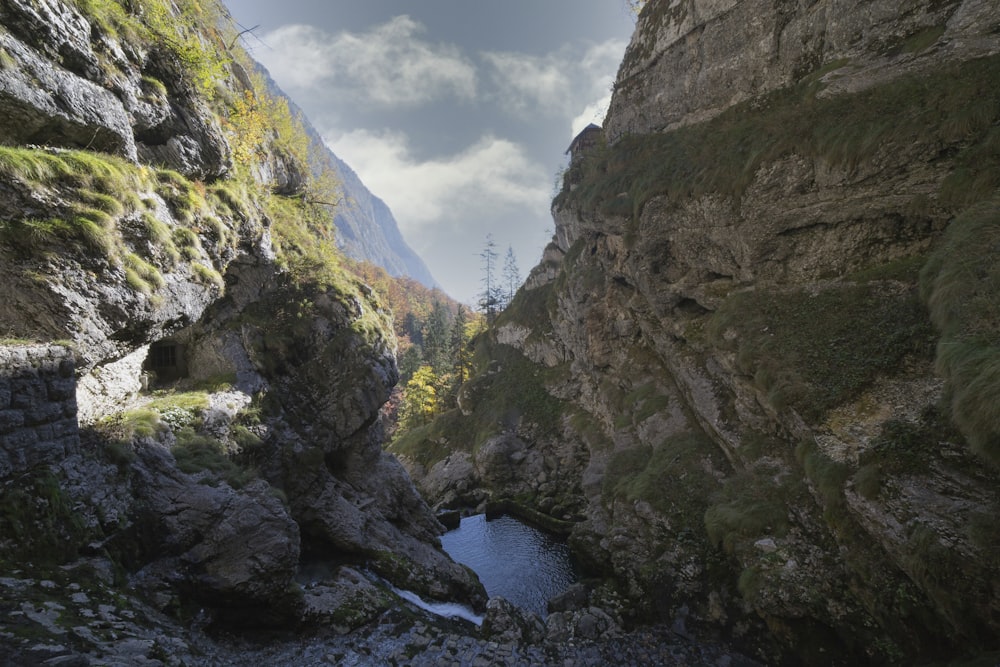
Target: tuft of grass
x=194 y=401
x=922 y=40
x=206 y=275
x=233 y=196
x=161 y=237
x=153 y=86
x=141 y=423
x=750 y=582
x=751 y=504
x=827 y=476
x=141 y=275
x=185 y=201
x=195 y=452
x=6 y=60
x=961 y=285
x=30 y=233
x=101 y=202
x=868 y=480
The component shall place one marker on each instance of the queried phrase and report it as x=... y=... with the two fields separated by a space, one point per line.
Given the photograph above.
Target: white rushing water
x=444 y=609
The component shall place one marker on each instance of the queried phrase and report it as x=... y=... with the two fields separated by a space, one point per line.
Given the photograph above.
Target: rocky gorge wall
x=747 y=375
x=154 y=220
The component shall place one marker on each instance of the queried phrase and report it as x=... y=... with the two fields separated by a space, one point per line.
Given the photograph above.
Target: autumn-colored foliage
x=433 y=333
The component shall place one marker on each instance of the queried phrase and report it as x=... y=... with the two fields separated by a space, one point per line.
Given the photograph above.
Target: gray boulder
x=506 y=623
x=234 y=548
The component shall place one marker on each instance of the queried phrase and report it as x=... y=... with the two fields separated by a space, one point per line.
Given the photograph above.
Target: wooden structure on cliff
x=588 y=138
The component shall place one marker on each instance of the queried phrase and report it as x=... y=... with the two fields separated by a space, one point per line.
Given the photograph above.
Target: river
x=515 y=561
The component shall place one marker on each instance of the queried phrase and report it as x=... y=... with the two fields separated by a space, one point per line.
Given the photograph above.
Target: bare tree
x=511 y=276
x=489 y=298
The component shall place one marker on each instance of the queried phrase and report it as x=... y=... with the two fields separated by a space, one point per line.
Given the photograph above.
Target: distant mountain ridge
x=366 y=228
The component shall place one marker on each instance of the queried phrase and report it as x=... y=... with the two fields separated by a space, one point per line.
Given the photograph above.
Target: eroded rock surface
x=724 y=365
x=226 y=374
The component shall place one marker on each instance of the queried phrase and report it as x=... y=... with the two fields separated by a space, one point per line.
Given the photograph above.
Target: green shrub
x=813 y=351
x=652 y=474
x=903 y=447
x=516 y=392
x=119 y=453
x=38 y=524
x=245 y=439
x=449 y=432
x=751 y=504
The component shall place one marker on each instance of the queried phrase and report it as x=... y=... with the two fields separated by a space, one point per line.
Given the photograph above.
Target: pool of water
x=515 y=561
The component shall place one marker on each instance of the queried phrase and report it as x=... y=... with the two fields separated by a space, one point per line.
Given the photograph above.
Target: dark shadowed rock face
x=232 y=548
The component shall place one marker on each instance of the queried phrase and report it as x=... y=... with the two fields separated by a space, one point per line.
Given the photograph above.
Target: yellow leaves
x=420 y=403
x=261 y=122
x=250 y=128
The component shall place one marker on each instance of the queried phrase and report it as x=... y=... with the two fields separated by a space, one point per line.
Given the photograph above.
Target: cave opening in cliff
x=166 y=361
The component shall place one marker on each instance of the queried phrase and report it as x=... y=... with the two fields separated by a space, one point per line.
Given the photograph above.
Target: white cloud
x=388 y=66
x=601 y=60
x=488 y=177
x=592 y=113
x=529 y=83
x=557 y=84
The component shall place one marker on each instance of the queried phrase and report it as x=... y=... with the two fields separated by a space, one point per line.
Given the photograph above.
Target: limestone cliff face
x=692 y=59
x=226 y=375
x=761 y=436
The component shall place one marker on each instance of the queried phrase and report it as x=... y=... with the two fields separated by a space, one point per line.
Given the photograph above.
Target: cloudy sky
x=457 y=113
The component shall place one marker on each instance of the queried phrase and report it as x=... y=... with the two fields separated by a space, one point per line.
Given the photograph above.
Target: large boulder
x=234 y=550
x=505 y=623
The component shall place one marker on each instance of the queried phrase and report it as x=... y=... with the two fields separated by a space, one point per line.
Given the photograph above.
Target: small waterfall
x=444 y=609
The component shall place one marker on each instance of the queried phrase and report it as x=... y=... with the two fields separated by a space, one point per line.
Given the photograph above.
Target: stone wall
x=38 y=422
